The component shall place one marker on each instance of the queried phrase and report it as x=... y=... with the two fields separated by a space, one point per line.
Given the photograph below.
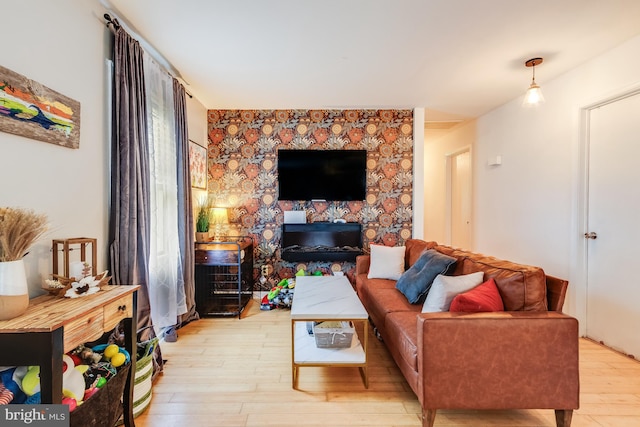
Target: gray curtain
x=130 y=212
x=185 y=207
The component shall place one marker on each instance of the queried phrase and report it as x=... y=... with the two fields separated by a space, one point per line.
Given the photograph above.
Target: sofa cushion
x=364 y=287
x=483 y=298
x=415 y=248
x=455 y=253
x=416 y=281
x=387 y=262
x=445 y=288
x=363 y=282
x=387 y=300
x=521 y=287
x=382 y=301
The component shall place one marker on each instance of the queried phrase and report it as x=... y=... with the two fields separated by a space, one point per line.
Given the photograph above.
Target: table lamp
x=219 y=217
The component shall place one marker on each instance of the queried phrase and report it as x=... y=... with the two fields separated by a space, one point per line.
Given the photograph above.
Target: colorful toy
x=31 y=381
x=101 y=382
x=70 y=402
x=89 y=392
x=110 y=351
x=72 y=380
x=280 y=296
x=11 y=393
x=82 y=375
x=6 y=395
x=27 y=381
x=117 y=356
x=118 y=359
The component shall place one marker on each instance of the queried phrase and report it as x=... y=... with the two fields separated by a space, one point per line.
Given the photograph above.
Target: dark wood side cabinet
x=224 y=276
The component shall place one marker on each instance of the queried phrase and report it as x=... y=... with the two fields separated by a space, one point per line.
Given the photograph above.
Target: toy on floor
x=280 y=296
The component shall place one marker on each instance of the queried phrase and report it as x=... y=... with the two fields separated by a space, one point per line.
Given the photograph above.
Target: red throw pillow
x=484 y=297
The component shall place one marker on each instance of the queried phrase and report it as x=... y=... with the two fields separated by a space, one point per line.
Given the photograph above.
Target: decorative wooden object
x=67 y=248
x=34 y=111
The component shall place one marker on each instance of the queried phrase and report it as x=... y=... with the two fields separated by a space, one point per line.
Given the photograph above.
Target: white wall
x=435 y=193
x=62 y=45
x=527 y=209
x=197 y=128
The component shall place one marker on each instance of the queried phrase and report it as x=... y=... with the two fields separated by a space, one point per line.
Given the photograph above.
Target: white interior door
x=613 y=291
x=461 y=200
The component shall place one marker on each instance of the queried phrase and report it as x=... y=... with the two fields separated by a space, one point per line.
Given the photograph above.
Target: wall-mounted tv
x=332 y=175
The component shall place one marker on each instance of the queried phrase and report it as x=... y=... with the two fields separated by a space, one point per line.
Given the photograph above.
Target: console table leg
x=131 y=345
x=43 y=349
x=51 y=348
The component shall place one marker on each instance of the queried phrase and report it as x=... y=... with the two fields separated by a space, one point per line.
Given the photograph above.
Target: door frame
x=449 y=188
x=578 y=287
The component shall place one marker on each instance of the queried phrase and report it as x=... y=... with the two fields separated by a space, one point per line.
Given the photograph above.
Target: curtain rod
x=113 y=22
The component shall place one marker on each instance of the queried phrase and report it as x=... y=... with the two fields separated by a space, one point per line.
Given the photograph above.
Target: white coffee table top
x=325 y=297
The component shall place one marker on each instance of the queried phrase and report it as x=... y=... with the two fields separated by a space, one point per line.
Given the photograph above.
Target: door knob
x=591 y=235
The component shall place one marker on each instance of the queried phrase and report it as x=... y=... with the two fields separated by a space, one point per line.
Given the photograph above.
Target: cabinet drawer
x=89 y=328
x=117 y=310
x=208 y=257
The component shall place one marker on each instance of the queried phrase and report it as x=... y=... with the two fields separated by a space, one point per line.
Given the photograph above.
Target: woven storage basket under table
x=333 y=334
x=142 y=387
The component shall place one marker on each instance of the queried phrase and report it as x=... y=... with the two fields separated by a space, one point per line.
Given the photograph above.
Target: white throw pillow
x=387 y=262
x=445 y=288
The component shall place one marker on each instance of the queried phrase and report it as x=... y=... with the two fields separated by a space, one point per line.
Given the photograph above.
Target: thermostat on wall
x=495 y=161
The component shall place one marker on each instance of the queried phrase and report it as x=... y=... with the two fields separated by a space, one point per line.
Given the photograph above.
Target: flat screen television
x=332 y=175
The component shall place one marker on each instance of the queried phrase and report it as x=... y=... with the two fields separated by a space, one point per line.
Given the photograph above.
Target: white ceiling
x=456 y=58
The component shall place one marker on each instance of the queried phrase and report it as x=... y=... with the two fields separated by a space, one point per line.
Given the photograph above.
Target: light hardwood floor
x=230 y=372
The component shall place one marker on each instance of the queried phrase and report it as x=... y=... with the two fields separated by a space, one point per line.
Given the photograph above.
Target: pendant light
x=533 y=96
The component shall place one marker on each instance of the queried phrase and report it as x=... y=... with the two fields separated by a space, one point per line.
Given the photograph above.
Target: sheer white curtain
x=166 y=281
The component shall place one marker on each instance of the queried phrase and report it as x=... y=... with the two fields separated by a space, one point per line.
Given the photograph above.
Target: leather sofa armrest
x=362 y=264
x=505 y=360
x=556 y=292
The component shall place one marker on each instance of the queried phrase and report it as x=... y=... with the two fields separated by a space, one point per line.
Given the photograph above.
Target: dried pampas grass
x=19 y=230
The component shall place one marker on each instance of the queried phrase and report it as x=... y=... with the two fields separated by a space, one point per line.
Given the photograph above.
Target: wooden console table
x=52 y=326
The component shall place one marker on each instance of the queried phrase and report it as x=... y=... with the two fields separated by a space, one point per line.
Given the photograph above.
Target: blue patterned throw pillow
x=416 y=281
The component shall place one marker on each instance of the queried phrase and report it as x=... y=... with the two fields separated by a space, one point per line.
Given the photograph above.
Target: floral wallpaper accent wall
x=242 y=175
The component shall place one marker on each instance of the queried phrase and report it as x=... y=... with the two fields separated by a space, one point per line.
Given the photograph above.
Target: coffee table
x=321 y=298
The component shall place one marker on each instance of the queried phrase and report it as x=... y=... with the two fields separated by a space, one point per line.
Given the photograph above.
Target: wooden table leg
x=39 y=348
x=131 y=345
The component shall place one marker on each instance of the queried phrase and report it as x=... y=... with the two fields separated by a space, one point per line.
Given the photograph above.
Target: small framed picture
x=198 y=165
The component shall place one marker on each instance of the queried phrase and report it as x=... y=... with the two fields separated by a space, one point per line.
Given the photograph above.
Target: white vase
x=14 y=292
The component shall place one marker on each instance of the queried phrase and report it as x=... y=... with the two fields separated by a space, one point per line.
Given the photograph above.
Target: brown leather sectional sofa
x=523 y=358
